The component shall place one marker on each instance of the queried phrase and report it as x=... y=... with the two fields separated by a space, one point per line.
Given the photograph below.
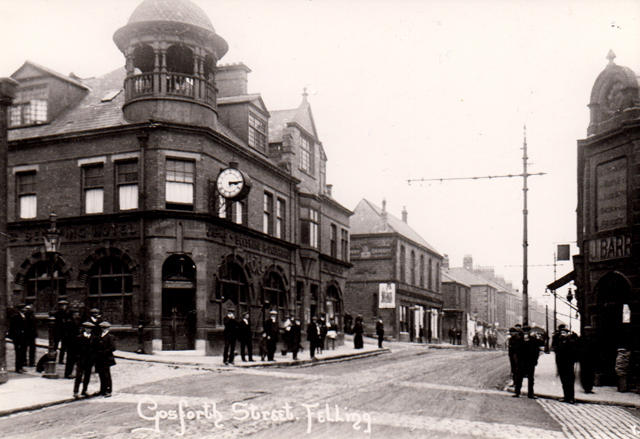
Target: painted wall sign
x=613 y=247
x=611 y=195
x=387 y=296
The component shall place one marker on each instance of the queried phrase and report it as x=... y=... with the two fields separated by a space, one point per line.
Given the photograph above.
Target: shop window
x=93 y=186
x=127 y=183
x=27 y=199
x=233 y=287
x=44 y=286
x=404 y=318
x=333 y=305
x=111 y=290
x=180 y=179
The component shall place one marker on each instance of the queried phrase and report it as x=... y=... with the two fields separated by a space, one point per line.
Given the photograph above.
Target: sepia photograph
x=319 y=219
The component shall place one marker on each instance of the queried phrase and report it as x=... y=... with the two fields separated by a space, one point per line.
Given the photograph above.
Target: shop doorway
x=613 y=292
x=179 y=321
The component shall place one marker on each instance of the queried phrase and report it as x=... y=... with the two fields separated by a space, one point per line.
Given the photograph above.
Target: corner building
x=130 y=163
x=608 y=221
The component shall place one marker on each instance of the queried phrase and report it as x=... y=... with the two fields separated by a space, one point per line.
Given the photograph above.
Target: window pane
x=128 y=196
x=94 y=200
x=179 y=192
x=28 y=206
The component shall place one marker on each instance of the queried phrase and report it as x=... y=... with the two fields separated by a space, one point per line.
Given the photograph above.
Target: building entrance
x=178 y=319
x=613 y=292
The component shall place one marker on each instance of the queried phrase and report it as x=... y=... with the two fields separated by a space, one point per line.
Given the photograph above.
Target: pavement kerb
x=33 y=407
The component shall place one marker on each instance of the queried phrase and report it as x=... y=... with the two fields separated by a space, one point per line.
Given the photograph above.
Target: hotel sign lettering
x=613 y=247
x=611 y=192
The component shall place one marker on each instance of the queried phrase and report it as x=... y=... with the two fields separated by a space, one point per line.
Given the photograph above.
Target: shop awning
x=562 y=281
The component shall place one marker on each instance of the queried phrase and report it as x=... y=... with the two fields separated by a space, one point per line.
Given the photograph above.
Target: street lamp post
x=545 y=298
x=51 y=248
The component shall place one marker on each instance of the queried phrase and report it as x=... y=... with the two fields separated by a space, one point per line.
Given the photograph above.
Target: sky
x=404 y=90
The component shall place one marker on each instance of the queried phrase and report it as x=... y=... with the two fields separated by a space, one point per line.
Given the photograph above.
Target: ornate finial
x=611 y=56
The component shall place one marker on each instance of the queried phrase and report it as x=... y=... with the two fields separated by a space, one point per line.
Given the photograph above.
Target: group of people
x=569 y=349
x=87 y=345
x=485 y=339
x=320 y=333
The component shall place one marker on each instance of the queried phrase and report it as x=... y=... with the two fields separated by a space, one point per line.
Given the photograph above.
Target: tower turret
x=171 y=51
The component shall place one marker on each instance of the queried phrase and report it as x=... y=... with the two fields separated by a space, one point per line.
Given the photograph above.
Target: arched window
x=41 y=291
x=333 y=305
x=402 y=264
x=111 y=290
x=180 y=59
x=144 y=59
x=233 y=287
x=413 y=267
x=275 y=293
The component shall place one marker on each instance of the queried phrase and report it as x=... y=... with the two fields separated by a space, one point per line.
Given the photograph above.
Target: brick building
x=395 y=275
x=176 y=195
x=608 y=221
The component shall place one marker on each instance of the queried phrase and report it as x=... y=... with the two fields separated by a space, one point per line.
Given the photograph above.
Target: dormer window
x=29 y=108
x=306 y=155
x=257 y=133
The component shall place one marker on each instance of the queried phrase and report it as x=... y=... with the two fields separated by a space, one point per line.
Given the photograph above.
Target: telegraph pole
x=525 y=243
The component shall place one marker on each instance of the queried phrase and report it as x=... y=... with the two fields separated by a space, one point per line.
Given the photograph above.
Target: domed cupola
x=171 y=51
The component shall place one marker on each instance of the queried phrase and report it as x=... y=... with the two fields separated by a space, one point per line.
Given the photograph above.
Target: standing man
x=31 y=334
x=230 y=334
x=95 y=319
x=18 y=334
x=104 y=347
x=587 y=350
x=358 y=330
x=564 y=345
x=514 y=339
x=527 y=356
x=313 y=335
x=272 y=330
x=380 y=331
x=61 y=316
x=296 y=336
x=245 y=335
x=71 y=332
x=84 y=359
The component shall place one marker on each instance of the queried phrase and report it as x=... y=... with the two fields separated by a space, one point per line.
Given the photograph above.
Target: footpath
x=31 y=391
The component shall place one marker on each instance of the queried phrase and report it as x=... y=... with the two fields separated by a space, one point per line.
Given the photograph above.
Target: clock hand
x=234 y=182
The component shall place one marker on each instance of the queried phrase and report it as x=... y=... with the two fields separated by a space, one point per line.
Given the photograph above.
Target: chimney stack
x=404 y=214
x=445 y=262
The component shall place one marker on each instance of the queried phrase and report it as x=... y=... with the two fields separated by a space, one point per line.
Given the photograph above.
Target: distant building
x=456 y=312
x=395 y=275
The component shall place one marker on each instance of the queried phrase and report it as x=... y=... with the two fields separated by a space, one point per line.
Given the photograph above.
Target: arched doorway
x=178 y=304
x=613 y=293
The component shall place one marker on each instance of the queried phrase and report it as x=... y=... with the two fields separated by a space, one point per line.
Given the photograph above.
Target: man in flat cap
x=245 y=335
x=272 y=330
x=230 y=335
x=84 y=359
x=104 y=347
x=18 y=335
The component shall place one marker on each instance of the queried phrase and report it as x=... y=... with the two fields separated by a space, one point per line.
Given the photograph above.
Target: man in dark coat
x=95 y=319
x=31 y=334
x=296 y=337
x=514 y=340
x=61 y=316
x=358 y=330
x=18 y=334
x=230 y=335
x=380 y=331
x=71 y=332
x=527 y=360
x=245 y=336
x=272 y=330
x=565 y=346
x=313 y=335
x=587 y=350
x=84 y=359
x=104 y=346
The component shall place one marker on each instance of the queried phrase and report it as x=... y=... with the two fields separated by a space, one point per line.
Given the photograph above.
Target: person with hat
x=513 y=341
x=527 y=359
x=230 y=335
x=296 y=337
x=104 y=346
x=565 y=347
x=84 y=359
x=31 y=334
x=61 y=316
x=18 y=334
x=72 y=329
x=358 y=331
x=245 y=336
x=587 y=352
x=380 y=331
x=95 y=319
x=272 y=330
x=313 y=335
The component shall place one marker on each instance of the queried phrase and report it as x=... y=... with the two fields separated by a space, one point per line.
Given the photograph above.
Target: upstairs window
x=280 y=223
x=93 y=186
x=29 y=107
x=306 y=155
x=344 y=245
x=27 y=199
x=179 y=184
x=309 y=219
x=127 y=182
x=257 y=133
x=234 y=211
x=333 y=241
x=267 y=215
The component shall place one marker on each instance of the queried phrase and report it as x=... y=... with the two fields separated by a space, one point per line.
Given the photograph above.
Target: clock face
x=230 y=183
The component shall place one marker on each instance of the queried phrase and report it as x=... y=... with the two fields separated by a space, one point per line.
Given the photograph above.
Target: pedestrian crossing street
x=592 y=421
